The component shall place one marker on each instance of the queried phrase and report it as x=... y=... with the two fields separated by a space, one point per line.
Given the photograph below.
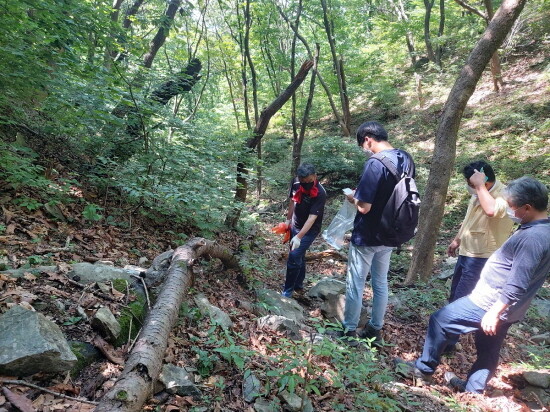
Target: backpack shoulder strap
x=388 y=163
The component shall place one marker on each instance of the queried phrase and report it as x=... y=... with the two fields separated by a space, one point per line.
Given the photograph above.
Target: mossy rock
x=135 y=311
x=85 y=353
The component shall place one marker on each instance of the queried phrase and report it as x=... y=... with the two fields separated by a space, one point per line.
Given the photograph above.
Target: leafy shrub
x=338 y=161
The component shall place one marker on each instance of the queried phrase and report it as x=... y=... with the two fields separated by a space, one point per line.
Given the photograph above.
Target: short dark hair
x=371 y=129
x=527 y=191
x=468 y=170
x=305 y=169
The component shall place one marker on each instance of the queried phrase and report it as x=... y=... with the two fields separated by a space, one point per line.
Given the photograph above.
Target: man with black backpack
x=387 y=213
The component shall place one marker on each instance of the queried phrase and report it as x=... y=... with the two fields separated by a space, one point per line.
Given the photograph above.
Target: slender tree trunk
x=431 y=211
x=297 y=146
x=162 y=33
x=345 y=129
x=259 y=131
x=496 y=70
x=439 y=48
x=346 y=116
x=427 y=38
x=229 y=84
x=293 y=73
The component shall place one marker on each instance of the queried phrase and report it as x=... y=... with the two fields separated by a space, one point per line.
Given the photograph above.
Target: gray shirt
x=516 y=271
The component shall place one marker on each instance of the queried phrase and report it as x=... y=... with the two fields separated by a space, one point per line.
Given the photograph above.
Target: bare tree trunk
x=259 y=131
x=431 y=211
x=496 y=70
x=297 y=146
x=338 y=69
x=229 y=85
x=144 y=363
x=293 y=73
x=427 y=38
x=162 y=33
x=439 y=48
x=345 y=129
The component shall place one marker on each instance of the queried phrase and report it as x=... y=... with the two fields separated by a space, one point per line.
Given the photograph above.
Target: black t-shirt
x=308 y=206
x=375 y=187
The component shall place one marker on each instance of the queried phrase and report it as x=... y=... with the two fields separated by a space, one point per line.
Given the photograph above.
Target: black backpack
x=400 y=215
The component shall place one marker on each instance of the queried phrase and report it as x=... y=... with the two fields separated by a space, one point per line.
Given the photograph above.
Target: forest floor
x=191 y=343
x=36 y=238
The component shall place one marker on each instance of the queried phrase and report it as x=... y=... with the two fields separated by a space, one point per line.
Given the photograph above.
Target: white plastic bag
x=342 y=222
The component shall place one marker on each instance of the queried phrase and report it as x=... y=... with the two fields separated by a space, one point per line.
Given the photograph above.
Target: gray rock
x=395 y=302
x=446 y=274
x=106 y=324
x=333 y=310
x=543 y=339
x=17 y=273
x=217 y=315
x=179 y=381
x=86 y=355
x=54 y=211
x=277 y=304
x=105 y=263
x=325 y=287
x=82 y=312
x=88 y=273
x=281 y=324
x=30 y=343
x=104 y=288
x=252 y=388
x=59 y=304
x=143 y=261
x=293 y=402
x=542 y=306
x=536 y=394
x=264 y=405
x=540 y=379
x=156 y=273
x=450 y=262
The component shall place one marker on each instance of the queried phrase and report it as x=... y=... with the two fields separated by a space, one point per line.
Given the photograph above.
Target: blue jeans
x=446 y=325
x=466 y=275
x=296 y=263
x=361 y=259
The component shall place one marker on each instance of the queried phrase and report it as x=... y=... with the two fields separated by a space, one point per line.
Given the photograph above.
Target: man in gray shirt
x=509 y=281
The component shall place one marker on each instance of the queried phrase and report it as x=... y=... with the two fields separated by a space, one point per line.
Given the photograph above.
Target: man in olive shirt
x=485 y=227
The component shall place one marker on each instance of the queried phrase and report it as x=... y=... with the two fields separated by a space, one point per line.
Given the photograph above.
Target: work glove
x=295 y=243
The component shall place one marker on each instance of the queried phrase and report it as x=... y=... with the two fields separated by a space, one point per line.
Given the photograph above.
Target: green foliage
x=91 y=214
x=338 y=161
x=73 y=320
x=205 y=361
x=131 y=318
x=231 y=351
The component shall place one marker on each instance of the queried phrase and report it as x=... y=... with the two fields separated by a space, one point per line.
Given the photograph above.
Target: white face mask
x=471 y=190
x=512 y=215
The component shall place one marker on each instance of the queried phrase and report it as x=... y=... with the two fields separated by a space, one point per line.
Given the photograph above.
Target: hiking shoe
x=409 y=370
x=370 y=333
x=455 y=382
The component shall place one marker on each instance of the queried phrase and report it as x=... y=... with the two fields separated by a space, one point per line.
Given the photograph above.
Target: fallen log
x=135 y=384
x=330 y=253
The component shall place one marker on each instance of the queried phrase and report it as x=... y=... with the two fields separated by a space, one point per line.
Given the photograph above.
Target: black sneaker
x=455 y=382
x=409 y=370
x=370 y=333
